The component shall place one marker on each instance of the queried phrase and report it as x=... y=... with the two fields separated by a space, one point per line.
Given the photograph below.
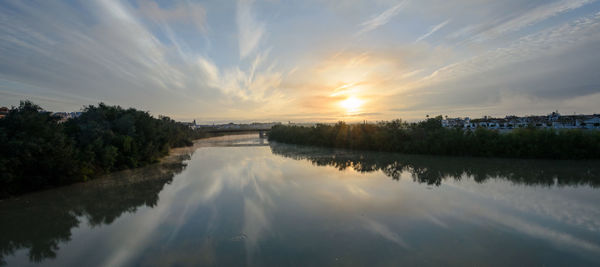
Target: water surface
x=238 y=200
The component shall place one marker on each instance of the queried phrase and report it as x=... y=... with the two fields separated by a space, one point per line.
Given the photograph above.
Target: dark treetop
x=39 y=152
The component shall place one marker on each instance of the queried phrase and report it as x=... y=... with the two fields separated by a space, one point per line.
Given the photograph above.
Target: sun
x=352 y=104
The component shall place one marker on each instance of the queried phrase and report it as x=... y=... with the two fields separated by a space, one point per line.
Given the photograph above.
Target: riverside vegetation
x=429 y=137
x=39 y=152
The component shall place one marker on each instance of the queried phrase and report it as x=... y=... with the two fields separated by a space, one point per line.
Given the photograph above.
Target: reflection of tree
x=433 y=170
x=40 y=221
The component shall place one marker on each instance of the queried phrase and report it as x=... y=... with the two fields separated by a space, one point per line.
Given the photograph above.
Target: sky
x=303 y=60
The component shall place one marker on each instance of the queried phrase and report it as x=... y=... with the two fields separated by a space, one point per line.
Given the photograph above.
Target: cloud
x=525 y=19
x=181 y=12
x=385 y=232
x=540 y=44
x=54 y=55
x=206 y=62
x=256 y=84
x=382 y=18
x=540 y=13
x=525 y=72
x=433 y=30
x=117 y=59
x=250 y=31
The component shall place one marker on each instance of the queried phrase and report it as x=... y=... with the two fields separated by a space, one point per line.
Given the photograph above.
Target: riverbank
x=159 y=172
x=429 y=137
x=40 y=151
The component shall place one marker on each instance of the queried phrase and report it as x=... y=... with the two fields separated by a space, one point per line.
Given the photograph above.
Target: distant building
x=553 y=120
x=258 y=126
x=3 y=112
x=192 y=125
x=64 y=116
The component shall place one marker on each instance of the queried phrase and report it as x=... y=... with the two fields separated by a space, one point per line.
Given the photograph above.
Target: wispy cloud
x=183 y=59
x=540 y=44
x=540 y=14
x=117 y=56
x=382 y=18
x=257 y=84
x=385 y=232
x=525 y=71
x=250 y=31
x=525 y=19
x=433 y=30
x=182 y=13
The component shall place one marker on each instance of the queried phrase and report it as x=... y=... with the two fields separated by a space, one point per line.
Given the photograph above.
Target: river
x=238 y=200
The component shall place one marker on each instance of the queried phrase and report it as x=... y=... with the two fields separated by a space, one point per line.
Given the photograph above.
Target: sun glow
x=352 y=104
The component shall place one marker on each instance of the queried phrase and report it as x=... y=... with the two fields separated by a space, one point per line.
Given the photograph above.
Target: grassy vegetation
x=429 y=137
x=39 y=152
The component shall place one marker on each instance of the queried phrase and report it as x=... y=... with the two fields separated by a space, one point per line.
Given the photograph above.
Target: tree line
x=429 y=137
x=38 y=151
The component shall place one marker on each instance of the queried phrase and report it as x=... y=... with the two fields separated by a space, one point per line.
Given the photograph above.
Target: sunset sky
x=305 y=60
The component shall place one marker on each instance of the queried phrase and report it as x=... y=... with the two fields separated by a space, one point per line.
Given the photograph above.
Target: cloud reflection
x=260 y=205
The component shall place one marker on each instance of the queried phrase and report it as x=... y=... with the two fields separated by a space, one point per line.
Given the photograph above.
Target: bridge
x=261 y=131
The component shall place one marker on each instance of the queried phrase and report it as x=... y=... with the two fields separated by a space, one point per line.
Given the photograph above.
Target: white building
x=553 y=120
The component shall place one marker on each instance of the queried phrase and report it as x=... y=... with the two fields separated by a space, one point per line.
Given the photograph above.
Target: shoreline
x=430 y=138
x=175 y=157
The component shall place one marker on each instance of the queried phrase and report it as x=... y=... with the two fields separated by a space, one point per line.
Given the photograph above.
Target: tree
x=37 y=153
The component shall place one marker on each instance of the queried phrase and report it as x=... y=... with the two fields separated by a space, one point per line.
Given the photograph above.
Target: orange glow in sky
x=352 y=104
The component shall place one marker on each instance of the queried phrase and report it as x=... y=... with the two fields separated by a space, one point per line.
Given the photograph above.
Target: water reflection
x=241 y=201
x=432 y=170
x=39 y=222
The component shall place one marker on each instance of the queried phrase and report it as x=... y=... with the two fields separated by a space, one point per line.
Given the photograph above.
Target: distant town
x=255 y=126
x=553 y=120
